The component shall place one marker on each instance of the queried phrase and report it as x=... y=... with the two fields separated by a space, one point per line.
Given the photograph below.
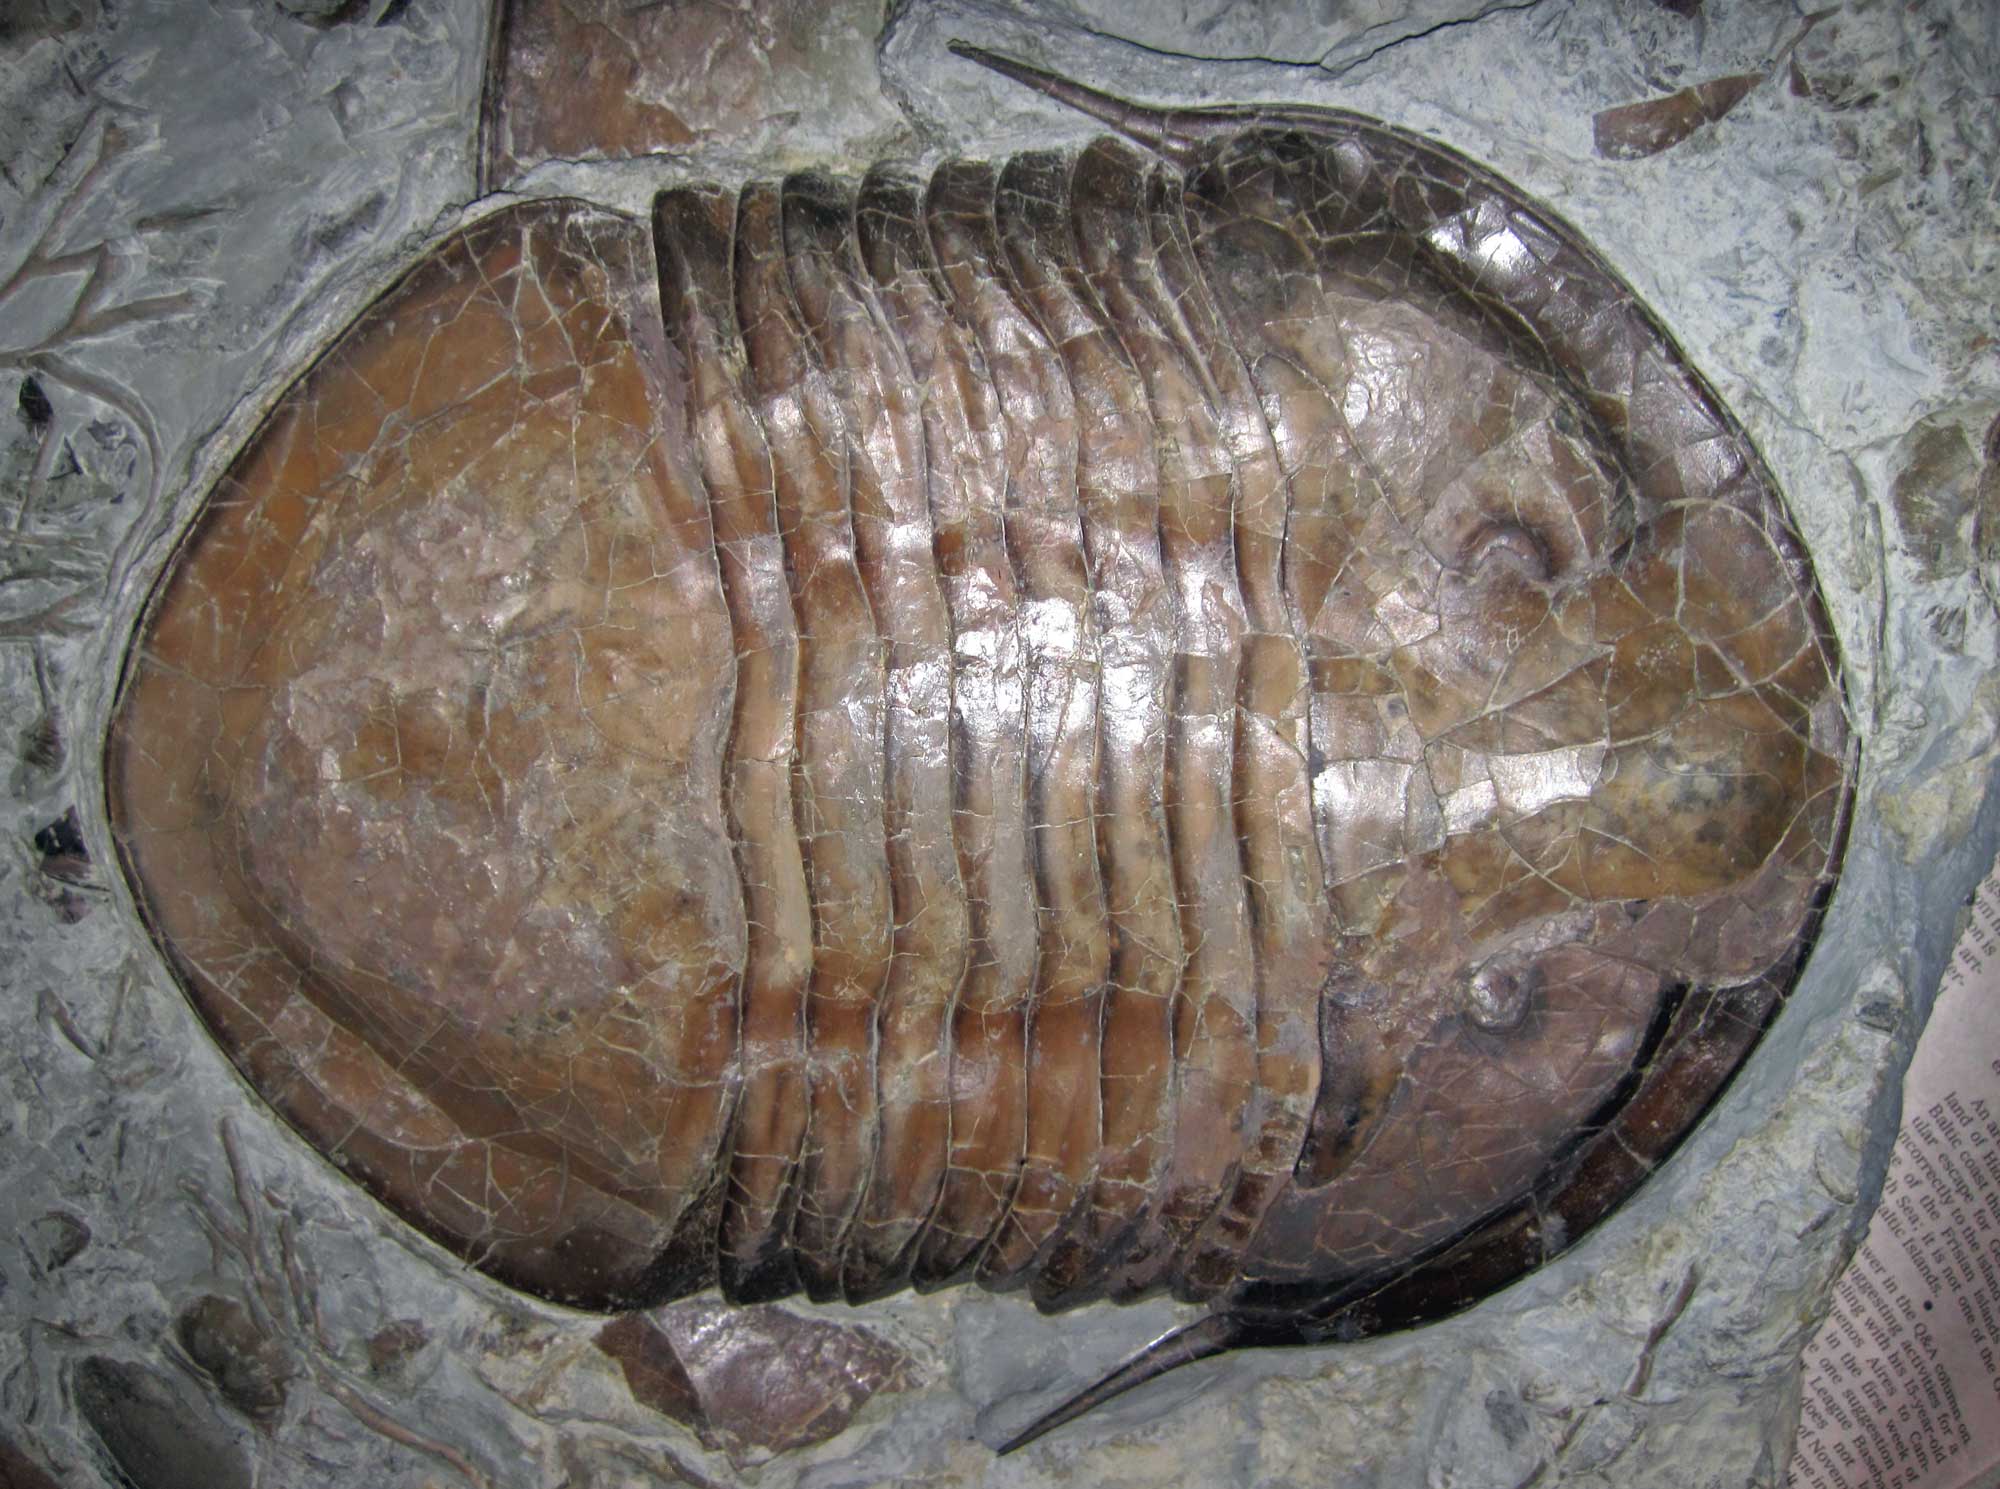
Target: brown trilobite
x=1219 y=713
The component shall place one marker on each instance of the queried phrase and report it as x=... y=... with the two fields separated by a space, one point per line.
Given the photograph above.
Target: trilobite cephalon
x=1221 y=712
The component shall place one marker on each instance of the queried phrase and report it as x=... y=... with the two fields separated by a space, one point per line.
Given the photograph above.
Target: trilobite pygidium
x=1221 y=712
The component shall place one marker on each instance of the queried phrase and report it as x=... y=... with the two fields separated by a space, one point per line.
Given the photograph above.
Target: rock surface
x=197 y=198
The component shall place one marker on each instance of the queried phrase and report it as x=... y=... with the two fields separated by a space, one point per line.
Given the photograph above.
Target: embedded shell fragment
x=1220 y=714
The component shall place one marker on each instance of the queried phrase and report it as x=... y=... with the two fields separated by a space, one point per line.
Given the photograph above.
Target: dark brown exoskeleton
x=1221 y=713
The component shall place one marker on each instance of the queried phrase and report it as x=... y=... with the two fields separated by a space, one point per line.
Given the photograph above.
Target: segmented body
x=1220 y=713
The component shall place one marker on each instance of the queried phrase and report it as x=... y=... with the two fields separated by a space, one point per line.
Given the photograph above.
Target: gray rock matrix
x=195 y=198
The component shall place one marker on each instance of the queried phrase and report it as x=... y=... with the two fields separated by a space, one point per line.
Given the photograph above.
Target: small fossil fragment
x=1633 y=131
x=34 y=404
x=1220 y=713
x=64 y=854
x=153 y=1431
x=249 y=1368
x=751 y=1381
x=55 y=1240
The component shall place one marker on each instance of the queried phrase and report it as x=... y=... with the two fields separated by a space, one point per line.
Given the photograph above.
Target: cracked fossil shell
x=1221 y=712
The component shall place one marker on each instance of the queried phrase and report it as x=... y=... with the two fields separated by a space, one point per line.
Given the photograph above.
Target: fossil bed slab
x=197 y=200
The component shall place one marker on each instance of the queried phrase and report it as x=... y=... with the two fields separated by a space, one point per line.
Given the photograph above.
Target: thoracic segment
x=1060 y=546
x=1099 y=723
x=993 y=739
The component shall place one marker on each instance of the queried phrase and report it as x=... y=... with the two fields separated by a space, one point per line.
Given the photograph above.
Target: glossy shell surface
x=1219 y=712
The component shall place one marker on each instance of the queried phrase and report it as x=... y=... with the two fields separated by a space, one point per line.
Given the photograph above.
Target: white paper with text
x=1902 y=1387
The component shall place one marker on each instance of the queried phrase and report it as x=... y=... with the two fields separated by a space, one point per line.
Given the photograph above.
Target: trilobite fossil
x=1220 y=712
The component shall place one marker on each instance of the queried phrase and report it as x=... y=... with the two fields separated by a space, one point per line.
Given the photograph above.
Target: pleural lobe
x=1091 y=723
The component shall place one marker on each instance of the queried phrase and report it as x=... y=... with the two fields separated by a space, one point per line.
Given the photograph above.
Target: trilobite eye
x=1509 y=545
x=1496 y=994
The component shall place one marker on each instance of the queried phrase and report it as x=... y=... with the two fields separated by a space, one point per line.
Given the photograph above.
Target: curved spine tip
x=1150 y=127
x=1217 y=1334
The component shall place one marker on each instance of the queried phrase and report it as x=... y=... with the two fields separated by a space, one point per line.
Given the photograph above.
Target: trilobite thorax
x=1219 y=713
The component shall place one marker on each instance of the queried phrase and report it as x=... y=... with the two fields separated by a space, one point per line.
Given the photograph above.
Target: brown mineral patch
x=1635 y=130
x=391 y=1346
x=248 y=1367
x=609 y=80
x=752 y=1382
x=653 y=1371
